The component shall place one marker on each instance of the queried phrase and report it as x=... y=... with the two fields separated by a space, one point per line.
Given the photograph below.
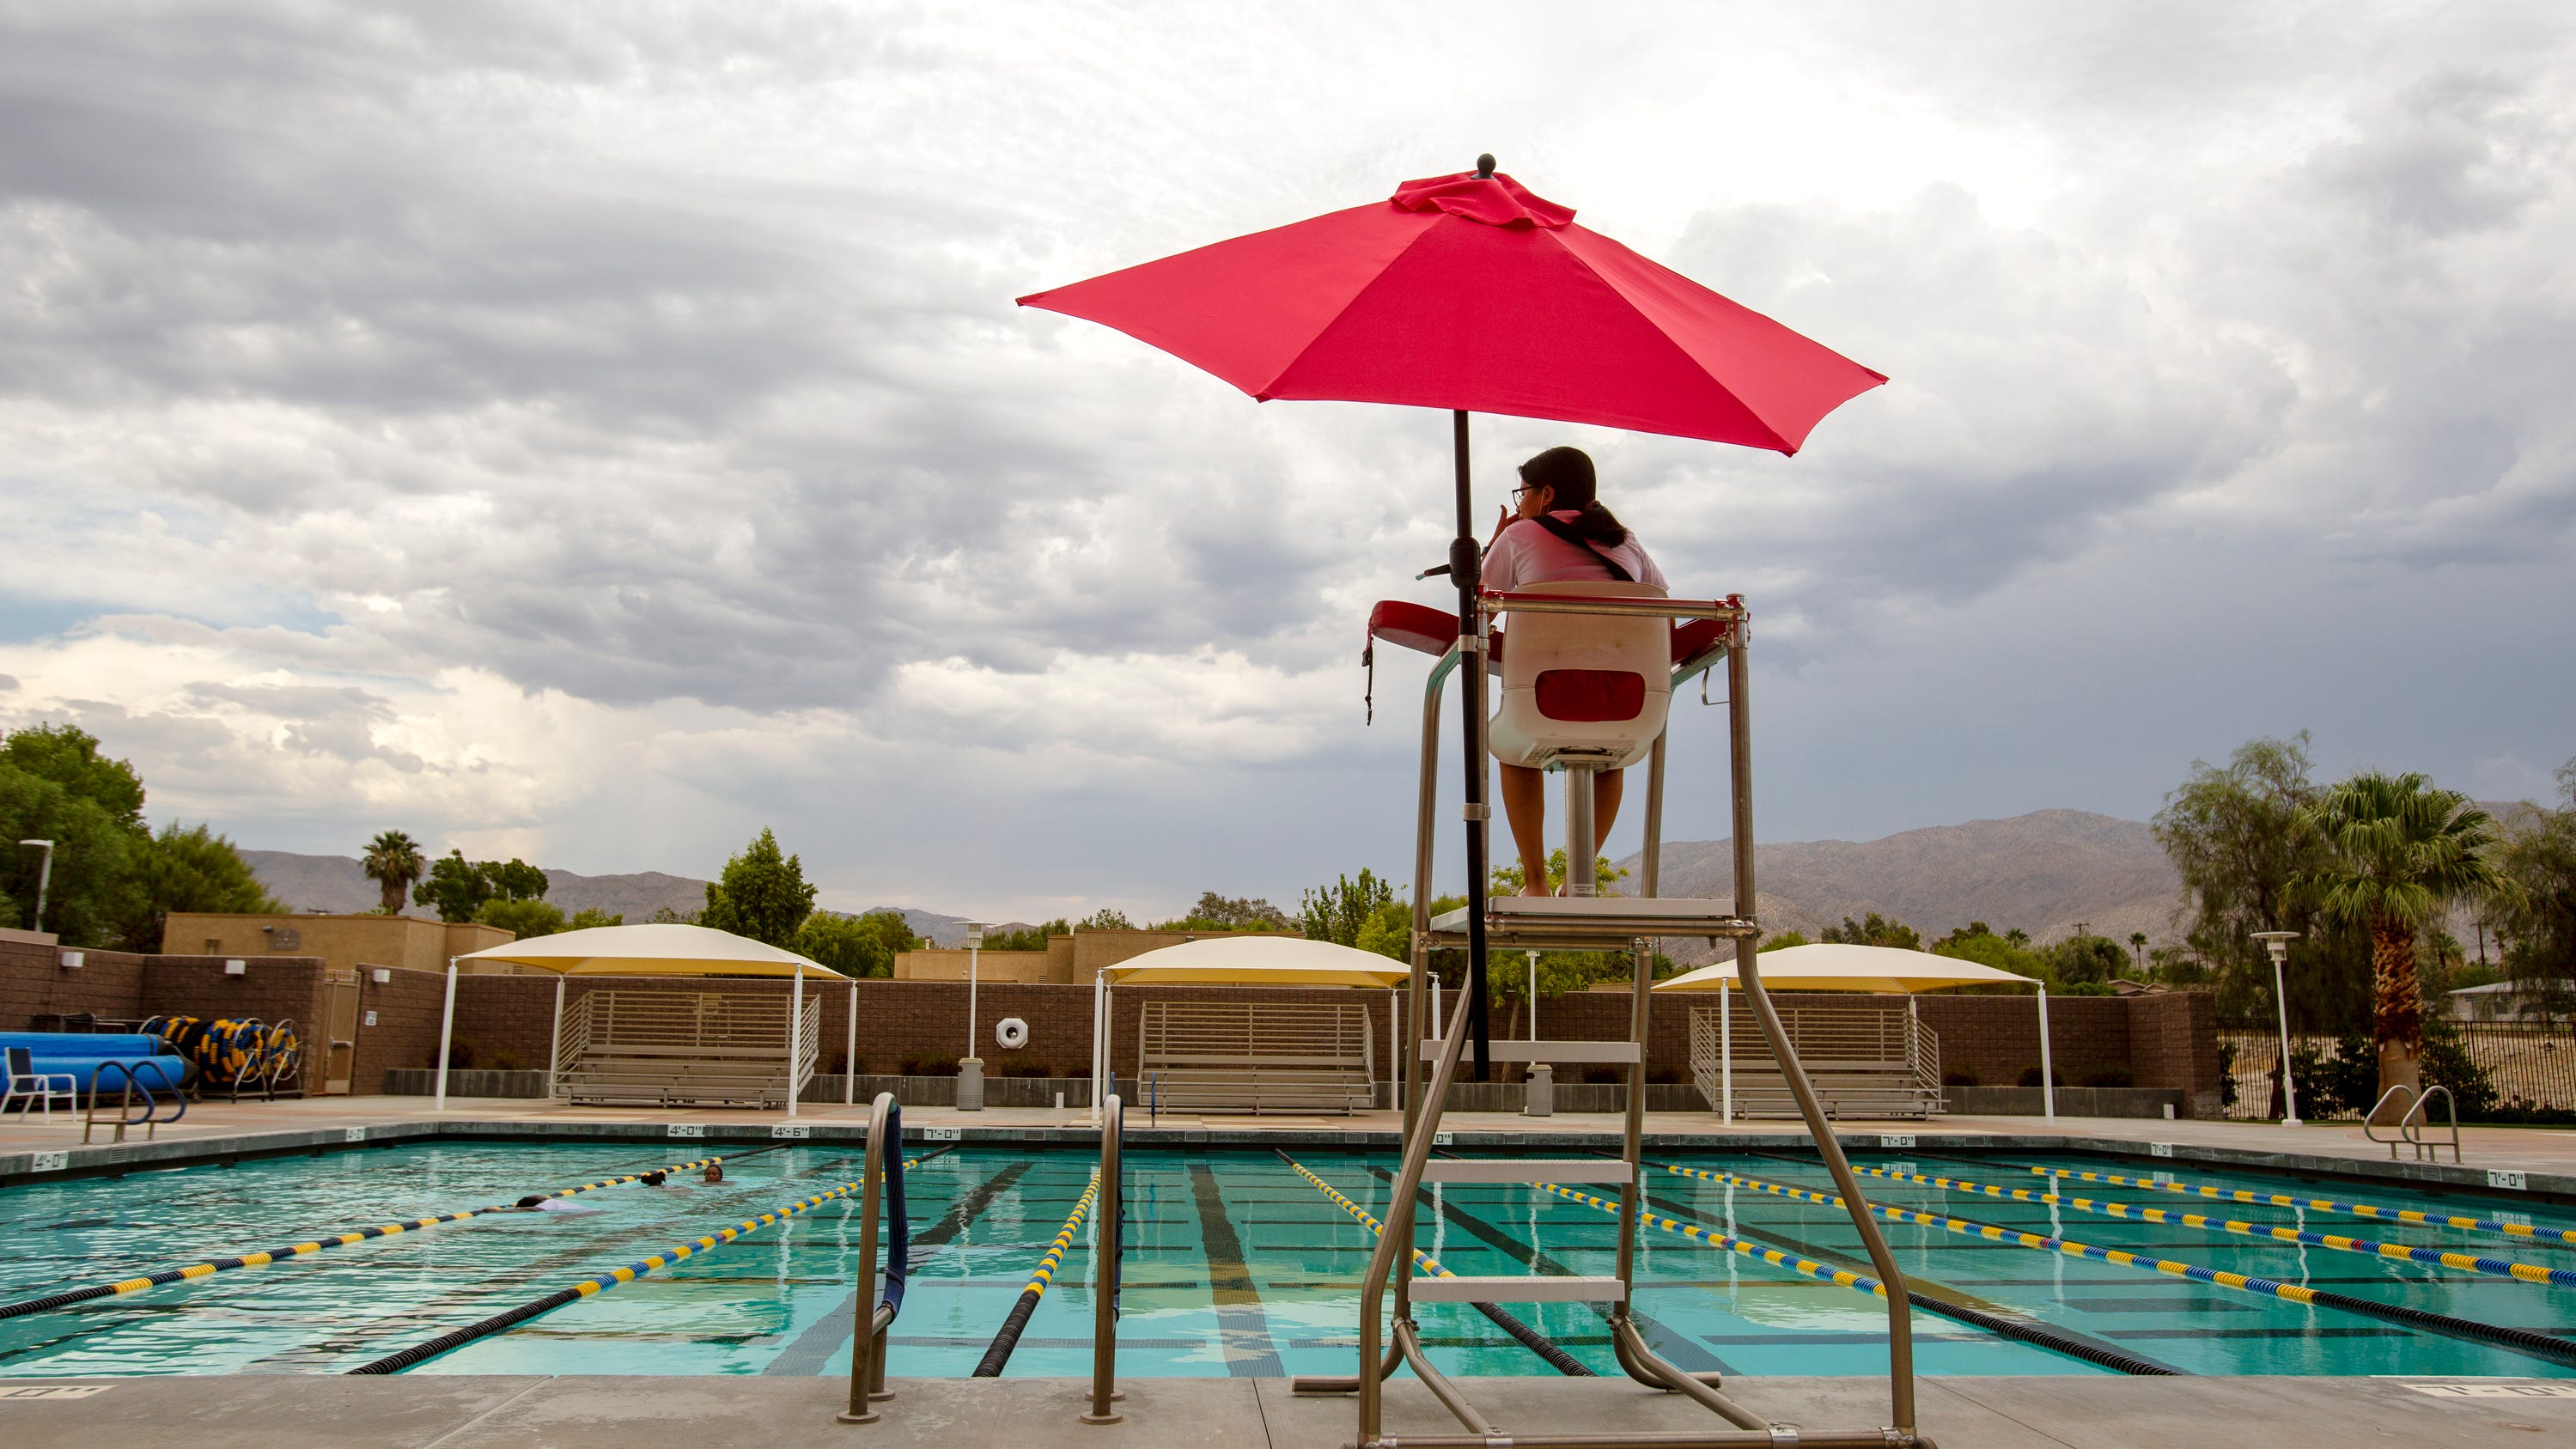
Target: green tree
x=1231 y=913
x=1388 y=931
x=856 y=945
x=2007 y=952
x=2397 y=850
x=514 y=879
x=2087 y=960
x=1336 y=912
x=522 y=916
x=1781 y=941
x=1875 y=930
x=192 y=869
x=54 y=785
x=762 y=894
x=393 y=861
x=590 y=916
x=456 y=888
x=2536 y=911
x=1026 y=938
x=2138 y=949
x=1508 y=879
x=1107 y=918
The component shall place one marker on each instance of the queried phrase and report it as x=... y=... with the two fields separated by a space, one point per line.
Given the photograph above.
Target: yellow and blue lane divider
x=2520 y=1339
x=1804 y=1267
x=422 y=1352
x=2402 y=1252
x=1530 y=1338
x=2551 y=1237
x=998 y=1352
x=144 y=1282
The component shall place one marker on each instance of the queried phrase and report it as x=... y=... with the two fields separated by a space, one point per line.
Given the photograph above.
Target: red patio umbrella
x=1469 y=293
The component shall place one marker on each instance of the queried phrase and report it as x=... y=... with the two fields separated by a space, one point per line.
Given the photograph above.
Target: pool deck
x=459 y=1412
x=2544 y=1157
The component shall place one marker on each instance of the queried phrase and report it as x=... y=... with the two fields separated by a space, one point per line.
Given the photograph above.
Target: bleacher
x=1864 y=1061
x=1228 y=1056
x=658 y=1049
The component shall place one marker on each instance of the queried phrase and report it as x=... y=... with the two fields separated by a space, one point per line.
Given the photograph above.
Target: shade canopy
x=1259 y=961
x=1469 y=292
x=1831 y=966
x=653 y=950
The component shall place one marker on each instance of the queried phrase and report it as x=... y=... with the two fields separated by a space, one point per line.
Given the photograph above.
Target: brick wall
x=407 y=1007
x=33 y=982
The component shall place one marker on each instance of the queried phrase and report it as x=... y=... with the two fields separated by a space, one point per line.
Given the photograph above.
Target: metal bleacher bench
x=671 y=1049
x=1229 y=1057
x=1862 y=1064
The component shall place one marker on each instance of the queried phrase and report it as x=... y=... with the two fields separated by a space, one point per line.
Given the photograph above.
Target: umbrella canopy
x=1834 y=967
x=1259 y=961
x=1468 y=292
x=655 y=950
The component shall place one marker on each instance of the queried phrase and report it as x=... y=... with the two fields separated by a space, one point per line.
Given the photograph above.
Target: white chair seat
x=1593 y=688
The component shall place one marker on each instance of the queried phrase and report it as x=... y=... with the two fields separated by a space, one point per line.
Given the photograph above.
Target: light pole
x=970 y=1068
x=44 y=877
x=2278 y=943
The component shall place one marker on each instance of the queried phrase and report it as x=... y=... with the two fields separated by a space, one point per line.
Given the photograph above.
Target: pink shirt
x=1529 y=554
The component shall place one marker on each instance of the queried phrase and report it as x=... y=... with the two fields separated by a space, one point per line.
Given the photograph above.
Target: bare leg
x=1525 y=806
x=1605 y=804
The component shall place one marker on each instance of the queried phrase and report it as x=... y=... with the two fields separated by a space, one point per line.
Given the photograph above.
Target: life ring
x=1011 y=1033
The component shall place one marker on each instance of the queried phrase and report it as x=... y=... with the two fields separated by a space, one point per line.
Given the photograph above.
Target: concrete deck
x=2546 y=1157
x=435 y=1412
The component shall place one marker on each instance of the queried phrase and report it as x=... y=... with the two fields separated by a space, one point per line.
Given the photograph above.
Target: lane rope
x=145 y=1282
x=428 y=1349
x=998 y=1352
x=2402 y=1252
x=2549 y=1237
x=1511 y=1323
x=2522 y=1340
x=2021 y=1331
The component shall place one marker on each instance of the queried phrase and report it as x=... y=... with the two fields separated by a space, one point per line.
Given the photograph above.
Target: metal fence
x=2526 y=1063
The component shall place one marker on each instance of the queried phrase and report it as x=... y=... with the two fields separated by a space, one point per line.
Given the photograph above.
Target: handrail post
x=868 y=1329
x=1109 y=1239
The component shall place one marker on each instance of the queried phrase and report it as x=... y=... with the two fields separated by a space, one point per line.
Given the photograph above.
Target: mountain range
x=2045 y=872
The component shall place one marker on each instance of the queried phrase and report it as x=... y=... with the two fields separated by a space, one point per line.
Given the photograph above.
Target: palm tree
x=2138 y=948
x=393 y=861
x=2396 y=852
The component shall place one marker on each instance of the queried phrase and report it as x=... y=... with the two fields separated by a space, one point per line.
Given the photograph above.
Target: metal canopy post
x=554 y=1047
x=446 y=1034
x=795 y=1029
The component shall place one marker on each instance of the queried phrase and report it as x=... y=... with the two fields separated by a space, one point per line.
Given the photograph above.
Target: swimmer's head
x=655 y=1178
x=531 y=1200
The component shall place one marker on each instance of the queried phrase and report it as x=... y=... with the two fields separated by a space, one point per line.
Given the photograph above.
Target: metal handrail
x=151 y=1119
x=2415 y=1134
x=2371 y=1116
x=868 y=1351
x=1109 y=1240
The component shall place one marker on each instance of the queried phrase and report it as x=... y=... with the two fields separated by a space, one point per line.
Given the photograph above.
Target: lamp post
x=2278 y=943
x=44 y=877
x=970 y=1068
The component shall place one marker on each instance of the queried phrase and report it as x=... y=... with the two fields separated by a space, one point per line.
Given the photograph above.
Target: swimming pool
x=1237 y=1265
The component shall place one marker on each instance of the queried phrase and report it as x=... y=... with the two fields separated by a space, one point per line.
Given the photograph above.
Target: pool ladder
x=151 y=1119
x=2417 y=1121
x=1584 y=921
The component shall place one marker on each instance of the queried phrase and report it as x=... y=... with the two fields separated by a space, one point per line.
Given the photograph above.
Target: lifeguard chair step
x=1613 y=1052
x=1544 y=922
x=1519 y=1289
x=1527 y=1169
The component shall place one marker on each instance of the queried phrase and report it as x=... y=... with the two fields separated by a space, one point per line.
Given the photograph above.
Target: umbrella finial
x=1485 y=166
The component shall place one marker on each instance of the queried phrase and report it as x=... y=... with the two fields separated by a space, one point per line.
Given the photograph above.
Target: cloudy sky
x=595 y=432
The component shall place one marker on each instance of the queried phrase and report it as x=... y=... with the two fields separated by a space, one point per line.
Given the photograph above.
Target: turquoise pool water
x=1236 y=1265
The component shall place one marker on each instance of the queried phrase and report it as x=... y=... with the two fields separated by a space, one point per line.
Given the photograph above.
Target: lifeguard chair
x=1587 y=672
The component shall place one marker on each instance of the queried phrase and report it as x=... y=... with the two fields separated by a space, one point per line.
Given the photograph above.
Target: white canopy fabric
x=654 y=950
x=666 y=949
x=1230 y=960
x=1259 y=961
x=1834 y=967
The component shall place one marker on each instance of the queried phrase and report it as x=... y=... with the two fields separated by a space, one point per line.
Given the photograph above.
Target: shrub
x=460 y=1055
x=2030 y=1077
x=2226 y=1075
x=1022 y=1067
x=1606 y=1076
x=1668 y=1076
x=1960 y=1077
x=2115 y=1077
x=507 y=1061
x=931 y=1064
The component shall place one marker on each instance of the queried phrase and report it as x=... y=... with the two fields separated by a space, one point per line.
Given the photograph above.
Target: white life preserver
x=1011 y=1033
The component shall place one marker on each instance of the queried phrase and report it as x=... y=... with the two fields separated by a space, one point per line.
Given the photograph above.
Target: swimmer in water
x=537 y=1202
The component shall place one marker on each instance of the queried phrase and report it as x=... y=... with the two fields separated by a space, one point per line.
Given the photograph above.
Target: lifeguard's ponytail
x=1568 y=471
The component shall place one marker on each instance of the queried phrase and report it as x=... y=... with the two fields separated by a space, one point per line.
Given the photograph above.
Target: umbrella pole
x=1466 y=569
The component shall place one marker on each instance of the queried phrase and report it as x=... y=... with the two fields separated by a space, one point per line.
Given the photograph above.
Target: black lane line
x=2000 y=1319
x=810 y=1350
x=1678 y=1348
x=1242 y=1328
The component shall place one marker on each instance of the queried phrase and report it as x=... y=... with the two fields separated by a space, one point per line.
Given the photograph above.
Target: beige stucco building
x=1066 y=959
x=343 y=942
